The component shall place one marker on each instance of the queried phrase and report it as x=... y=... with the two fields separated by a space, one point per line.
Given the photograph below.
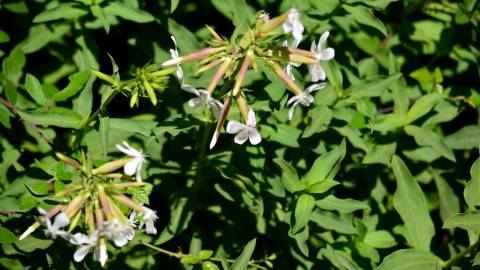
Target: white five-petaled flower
x=203 y=99
x=55 y=229
x=305 y=98
x=245 y=131
x=294 y=25
x=148 y=219
x=326 y=54
x=87 y=243
x=174 y=54
x=133 y=166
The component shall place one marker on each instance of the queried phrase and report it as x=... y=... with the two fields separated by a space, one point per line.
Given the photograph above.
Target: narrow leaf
x=35 y=89
x=76 y=83
x=468 y=221
x=303 y=209
x=128 y=12
x=241 y=262
x=289 y=175
x=56 y=116
x=411 y=205
x=426 y=137
x=406 y=259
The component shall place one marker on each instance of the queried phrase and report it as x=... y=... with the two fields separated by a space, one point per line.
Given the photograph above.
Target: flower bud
x=242 y=72
x=150 y=92
x=284 y=77
x=105 y=77
x=69 y=161
x=273 y=23
x=110 y=166
x=198 y=55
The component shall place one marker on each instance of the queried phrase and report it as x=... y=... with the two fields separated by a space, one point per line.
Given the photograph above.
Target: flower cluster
x=232 y=60
x=97 y=203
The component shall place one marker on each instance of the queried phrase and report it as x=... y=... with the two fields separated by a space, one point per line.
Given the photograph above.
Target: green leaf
x=181 y=213
x=56 y=116
x=76 y=82
x=472 y=189
x=303 y=209
x=285 y=134
x=406 y=259
x=379 y=239
x=331 y=221
x=62 y=11
x=340 y=259
x=343 y=206
x=468 y=221
x=209 y=266
x=289 y=175
x=301 y=239
x=204 y=254
x=38 y=37
x=13 y=65
x=141 y=127
x=373 y=87
x=5 y=116
x=322 y=186
x=422 y=106
x=381 y=153
x=324 y=166
x=30 y=244
x=241 y=263
x=334 y=75
x=241 y=11
x=4 y=37
x=6 y=236
x=426 y=137
x=365 y=16
x=35 y=89
x=468 y=137
x=448 y=200
x=189 y=259
x=411 y=205
x=173 y=5
x=128 y=12
x=321 y=117
x=99 y=13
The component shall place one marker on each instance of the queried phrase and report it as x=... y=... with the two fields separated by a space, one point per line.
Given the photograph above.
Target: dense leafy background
x=378 y=173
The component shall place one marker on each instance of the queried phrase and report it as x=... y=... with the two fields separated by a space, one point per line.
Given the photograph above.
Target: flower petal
x=327 y=54
x=195 y=102
x=241 y=137
x=189 y=88
x=235 y=127
x=293 y=99
x=291 y=110
x=322 y=39
x=138 y=175
x=251 y=121
x=254 y=136
x=131 y=167
x=314 y=87
x=61 y=220
x=81 y=252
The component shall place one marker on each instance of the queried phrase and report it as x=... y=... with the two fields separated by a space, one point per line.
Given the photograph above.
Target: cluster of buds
x=232 y=60
x=146 y=81
x=97 y=209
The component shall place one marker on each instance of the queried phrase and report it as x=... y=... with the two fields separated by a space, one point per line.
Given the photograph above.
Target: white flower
x=305 y=98
x=133 y=166
x=54 y=230
x=174 y=54
x=203 y=99
x=245 y=132
x=294 y=25
x=94 y=241
x=148 y=220
x=326 y=54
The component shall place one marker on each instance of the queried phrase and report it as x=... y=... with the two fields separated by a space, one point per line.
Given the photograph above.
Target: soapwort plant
x=98 y=208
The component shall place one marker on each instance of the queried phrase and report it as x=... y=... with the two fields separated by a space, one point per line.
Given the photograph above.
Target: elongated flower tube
x=195 y=56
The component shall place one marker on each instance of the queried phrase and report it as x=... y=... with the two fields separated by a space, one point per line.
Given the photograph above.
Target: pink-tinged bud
x=111 y=166
x=295 y=58
x=121 y=186
x=52 y=212
x=208 y=66
x=75 y=205
x=273 y=23
x=29 y=230
x=118 y=213
x=305 y=53
x=218 y=75
x=69 y=161
x=243 y=71
x=243 y=107
x=74 y=221
x=107 y=210
x=221 y=120
x=89 y=218
x=98 y=214
x=195 y=56
x=284 y=77
x=128 y=202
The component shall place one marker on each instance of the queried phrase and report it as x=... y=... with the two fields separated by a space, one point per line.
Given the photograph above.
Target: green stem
x=460 y=255
x=179 y=255
x=86 y=123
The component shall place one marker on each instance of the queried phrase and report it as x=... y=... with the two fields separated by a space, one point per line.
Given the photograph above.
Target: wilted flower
x=203 y=99
x=294 y=25
x=55 y=229
x=133 y=166
x=305 y=98
x=245 y=131
x=175 y=55
x=326 y=54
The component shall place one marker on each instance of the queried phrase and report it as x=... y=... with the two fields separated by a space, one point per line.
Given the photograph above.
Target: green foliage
x=381 y=171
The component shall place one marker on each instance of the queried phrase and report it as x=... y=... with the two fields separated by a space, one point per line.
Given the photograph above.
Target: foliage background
x=402 y=98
